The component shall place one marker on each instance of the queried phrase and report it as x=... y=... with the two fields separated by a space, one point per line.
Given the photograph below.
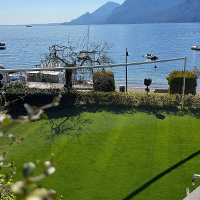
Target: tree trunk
x=68 y=79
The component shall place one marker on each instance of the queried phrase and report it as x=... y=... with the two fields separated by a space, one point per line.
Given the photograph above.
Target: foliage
x=27 y=189
x=139 y=99
x=104 y=81
x=175 y=81
x=15 y=85
x=5 y=192
x=16 y=97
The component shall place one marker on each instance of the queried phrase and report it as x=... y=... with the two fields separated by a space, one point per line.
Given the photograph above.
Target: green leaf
x=6 y=122
x=45 y=116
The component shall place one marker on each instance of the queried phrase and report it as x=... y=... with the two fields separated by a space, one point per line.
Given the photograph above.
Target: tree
x=71 y=57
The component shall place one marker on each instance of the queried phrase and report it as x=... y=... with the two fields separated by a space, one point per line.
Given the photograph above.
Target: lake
x=25 y=47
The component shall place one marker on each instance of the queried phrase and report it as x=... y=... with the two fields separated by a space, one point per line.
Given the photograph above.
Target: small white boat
x=195 y=47
x=2 y=44
x=151 y=57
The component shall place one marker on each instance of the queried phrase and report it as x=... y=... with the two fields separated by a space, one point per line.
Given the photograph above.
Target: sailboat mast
x=88 y=38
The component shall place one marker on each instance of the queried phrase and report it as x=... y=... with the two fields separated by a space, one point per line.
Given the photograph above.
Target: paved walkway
x=195 y=195
x=89 y=87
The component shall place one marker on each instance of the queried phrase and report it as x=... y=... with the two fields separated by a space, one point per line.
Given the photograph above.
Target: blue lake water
x=26 y=46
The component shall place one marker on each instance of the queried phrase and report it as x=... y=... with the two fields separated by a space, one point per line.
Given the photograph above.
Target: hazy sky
x=46 y=11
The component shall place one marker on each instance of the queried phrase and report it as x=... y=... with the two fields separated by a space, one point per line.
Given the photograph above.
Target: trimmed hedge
x=15 y=98
x=175 y=81
x=38 y=97
x=103 y=81
x=139 y=99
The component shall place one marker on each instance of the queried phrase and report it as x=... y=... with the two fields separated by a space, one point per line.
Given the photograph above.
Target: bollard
x=122 y=88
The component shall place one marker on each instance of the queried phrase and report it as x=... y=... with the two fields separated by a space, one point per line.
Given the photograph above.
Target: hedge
x=175 y=81
x=15 y=98
x=139 y=99
x=38 y=97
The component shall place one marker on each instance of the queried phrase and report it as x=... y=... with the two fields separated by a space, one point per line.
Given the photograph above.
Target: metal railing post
x=184 y=75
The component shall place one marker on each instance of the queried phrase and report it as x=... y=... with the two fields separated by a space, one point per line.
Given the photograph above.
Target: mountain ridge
x=142 y=11
x=99 y=16
x=138 y=11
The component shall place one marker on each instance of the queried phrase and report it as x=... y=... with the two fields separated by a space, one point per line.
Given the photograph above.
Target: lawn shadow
x=123 y=109
x=73 y=115
x=159 y=176
x=67 y=122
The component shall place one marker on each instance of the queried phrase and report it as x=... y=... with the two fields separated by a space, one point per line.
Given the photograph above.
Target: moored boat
x=2 y=47
x=151 y=57
x=195 y=47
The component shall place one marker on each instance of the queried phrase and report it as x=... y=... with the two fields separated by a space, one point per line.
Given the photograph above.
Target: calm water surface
x=26 y=46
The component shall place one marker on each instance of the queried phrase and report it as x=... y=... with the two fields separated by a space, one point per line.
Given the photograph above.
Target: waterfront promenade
x=89 y=87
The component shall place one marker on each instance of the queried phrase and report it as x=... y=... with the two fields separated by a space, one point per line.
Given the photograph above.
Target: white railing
x=97 y=66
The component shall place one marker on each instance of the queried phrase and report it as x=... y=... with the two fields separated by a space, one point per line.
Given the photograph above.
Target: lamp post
x=126 y=70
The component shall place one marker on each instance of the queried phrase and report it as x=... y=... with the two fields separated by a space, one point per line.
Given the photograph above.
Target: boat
x=195 y=47
x=28 y=26
x=151 y=57
x=2 y=44
x=2 y=47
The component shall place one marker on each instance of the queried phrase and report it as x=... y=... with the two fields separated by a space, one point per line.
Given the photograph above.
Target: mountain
x=139 y=11
x=188 y=11
x=97 y=17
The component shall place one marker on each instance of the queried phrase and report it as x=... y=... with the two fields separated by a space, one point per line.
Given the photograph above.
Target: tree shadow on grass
x=159 y=176
x=67 y=122
x=118 y=109
x=72 y=124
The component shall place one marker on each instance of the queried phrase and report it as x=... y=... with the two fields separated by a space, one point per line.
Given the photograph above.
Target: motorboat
x=151 y=57
x=195 y=47
x=2 y=47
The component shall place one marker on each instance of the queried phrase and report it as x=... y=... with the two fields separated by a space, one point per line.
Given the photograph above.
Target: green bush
x=5 y=184
x=15 y=84
x=175 y=81
x=139 y=99
x=103 y=81
x=16 y=97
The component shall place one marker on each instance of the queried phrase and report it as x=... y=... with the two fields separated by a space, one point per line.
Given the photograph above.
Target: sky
x=20 y=12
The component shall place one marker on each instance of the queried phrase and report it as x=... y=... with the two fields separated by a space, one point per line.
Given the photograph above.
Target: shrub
x=175 y=81
x=103 y=81
x=16 y=97
x=5 y=184
x=15 y=84
x=139 y=99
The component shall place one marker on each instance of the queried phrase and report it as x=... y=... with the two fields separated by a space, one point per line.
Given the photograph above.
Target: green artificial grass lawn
x=114 y=153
